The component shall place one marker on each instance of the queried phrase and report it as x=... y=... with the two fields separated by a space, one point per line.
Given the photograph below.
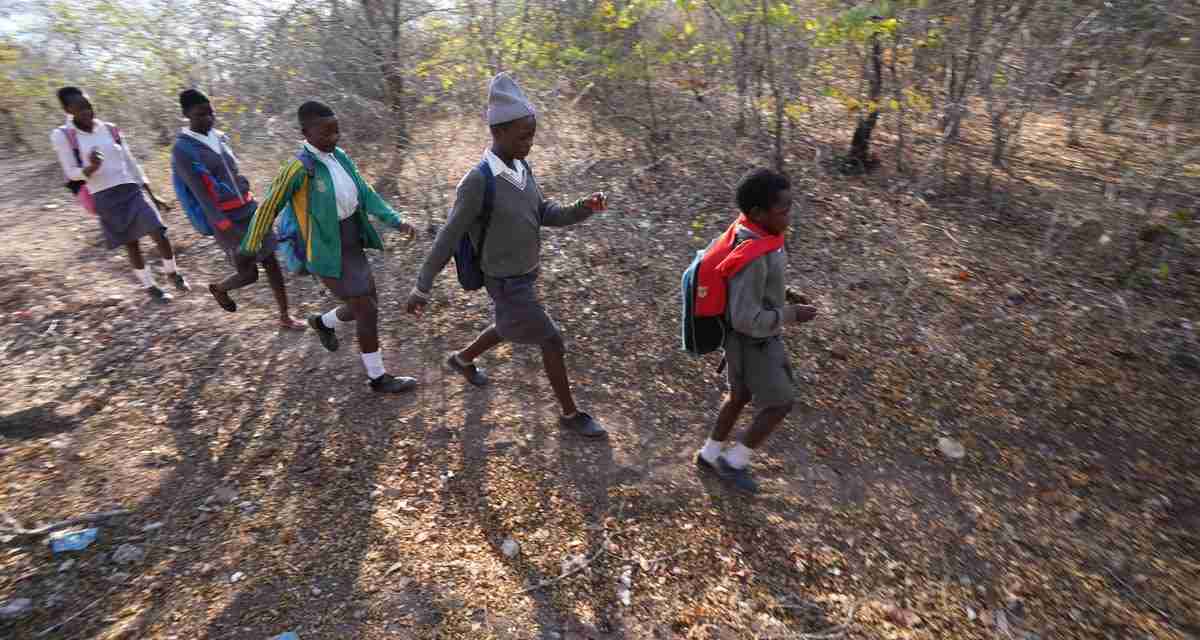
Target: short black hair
x=759 y=188
x=189 y=98
x=66 y=93
x=312 y=110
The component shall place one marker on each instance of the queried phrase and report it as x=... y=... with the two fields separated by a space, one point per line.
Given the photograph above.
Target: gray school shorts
x=520 y=316
x=760 y=366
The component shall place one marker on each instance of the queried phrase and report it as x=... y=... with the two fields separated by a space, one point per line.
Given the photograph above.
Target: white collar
x=327 y=157
x=213 y=134
x=515 y=174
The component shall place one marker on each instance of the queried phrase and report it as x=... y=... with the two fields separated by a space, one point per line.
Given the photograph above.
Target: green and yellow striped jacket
x=305 y=184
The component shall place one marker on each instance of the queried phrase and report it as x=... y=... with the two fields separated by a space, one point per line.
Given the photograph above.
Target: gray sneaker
x=584 y=425
x=739 y=478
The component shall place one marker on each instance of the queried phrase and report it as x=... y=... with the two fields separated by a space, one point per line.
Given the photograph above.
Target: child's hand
x=415 y=304
x=95 y=159
x=408 y=230
x=596 y=202
x=162 y=206
x=795 y=297
x=803 y=312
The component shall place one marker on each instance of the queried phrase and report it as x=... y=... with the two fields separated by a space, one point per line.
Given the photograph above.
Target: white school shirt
x=516 y=176
x=119 y=166
x=344 y=186
x=212 y=140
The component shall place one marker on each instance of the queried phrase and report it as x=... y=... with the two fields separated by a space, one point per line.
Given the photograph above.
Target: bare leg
x=247 y=274
x=135 y=255
x=163 y=244
x=554 y=361
x=731 y=409
x=765 y=424
x=486 y=341
x=365 y=312
x=275 y=278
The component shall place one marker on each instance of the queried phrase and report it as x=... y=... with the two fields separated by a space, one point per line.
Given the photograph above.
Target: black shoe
x=387 y=383
x=705 y=465
x=181 y=283
x=328 y=336
x=158 y=295
x=584 y=425
x=473 y=374
x=739 y=478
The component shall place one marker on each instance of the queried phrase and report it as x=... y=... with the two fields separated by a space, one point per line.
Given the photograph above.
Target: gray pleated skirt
x=125 y=214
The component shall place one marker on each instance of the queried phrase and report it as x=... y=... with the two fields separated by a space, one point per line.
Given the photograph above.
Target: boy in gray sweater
x=511 y=251
x=756 y=312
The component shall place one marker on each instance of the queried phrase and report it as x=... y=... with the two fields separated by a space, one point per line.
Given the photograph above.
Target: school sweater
x=212 y=177
x=514 y=242
x=307 y=185
x=756 y=305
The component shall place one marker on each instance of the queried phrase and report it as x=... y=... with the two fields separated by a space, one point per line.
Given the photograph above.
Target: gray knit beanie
x=506 y=101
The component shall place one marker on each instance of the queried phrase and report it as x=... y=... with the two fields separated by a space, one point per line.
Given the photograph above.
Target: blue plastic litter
x=73 y=540
x=287 y=635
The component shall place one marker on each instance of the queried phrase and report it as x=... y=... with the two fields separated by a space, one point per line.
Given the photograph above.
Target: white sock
x=330 y=319
x=738 y=456
x=144 y=277
x=374 y=364
x=711 y=450
x=169 y=265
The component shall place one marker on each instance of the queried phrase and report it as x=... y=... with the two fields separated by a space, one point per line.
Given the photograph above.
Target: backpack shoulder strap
x=114 y=132
x=73 y=139
x=308 y=161
x=489 y=201
x=489 y=191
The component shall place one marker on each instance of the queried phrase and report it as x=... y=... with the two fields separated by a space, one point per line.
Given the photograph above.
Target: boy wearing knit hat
x=509 y=245
x=210 y=186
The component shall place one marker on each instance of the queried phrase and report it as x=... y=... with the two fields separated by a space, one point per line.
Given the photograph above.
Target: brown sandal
x=291 y=324
x=222 y=298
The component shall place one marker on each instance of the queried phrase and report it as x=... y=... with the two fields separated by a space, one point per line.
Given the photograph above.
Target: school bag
x=468 y=261
x=291 y=248
x=79 y=187
x=705 y=286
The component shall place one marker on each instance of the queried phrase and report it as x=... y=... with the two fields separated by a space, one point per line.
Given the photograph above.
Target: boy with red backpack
x=738 y=286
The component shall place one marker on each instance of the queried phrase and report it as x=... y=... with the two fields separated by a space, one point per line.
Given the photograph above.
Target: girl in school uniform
x=331 y=202
x=96 y=159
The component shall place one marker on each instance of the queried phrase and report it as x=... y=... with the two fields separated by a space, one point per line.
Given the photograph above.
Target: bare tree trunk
x=776 y=94
x=859 y=159
x=960 y=77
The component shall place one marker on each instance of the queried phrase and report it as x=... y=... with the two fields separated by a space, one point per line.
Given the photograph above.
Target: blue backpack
x=291 y=250
x=468 y=261
x=187 y=200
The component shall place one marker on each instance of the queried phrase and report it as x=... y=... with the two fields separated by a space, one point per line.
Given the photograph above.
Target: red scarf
x=723 y=260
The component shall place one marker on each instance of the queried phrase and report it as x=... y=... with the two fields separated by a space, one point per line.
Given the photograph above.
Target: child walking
x=331 y=202
x=208 y=180
x=510 y=246
x=756 y=314
x=109 y=181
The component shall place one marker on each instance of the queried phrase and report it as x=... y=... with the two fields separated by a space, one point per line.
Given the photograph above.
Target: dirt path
x=271 y=491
